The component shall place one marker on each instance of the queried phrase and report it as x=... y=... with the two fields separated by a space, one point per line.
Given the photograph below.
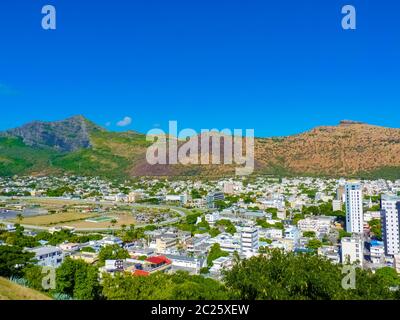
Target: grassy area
x=121 y=218
x=56 y=218
x=12 y=291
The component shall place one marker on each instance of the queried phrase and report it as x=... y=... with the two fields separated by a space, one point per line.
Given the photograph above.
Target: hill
x=78 y=146
x=12 y=291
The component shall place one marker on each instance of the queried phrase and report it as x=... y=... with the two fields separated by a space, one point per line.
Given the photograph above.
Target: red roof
x=158 y=260
x=141 y=273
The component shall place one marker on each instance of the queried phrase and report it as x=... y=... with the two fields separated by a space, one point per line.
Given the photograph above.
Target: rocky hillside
x=76 y=145
x=351 y=148
x=67 y=135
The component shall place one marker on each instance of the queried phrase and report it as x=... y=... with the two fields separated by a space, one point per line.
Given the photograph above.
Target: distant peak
x=77 y=117
x=349 y=122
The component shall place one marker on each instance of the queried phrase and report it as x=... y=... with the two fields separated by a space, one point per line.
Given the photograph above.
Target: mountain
x=66 y=135
x=77 y=145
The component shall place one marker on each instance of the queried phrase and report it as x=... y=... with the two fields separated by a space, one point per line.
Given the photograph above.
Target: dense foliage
x=179 y=286
x=277 y=276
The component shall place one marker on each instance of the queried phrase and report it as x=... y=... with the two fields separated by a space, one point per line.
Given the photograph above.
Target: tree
x=215 y=253
x=161 y=286
x=314 y=244
x=376 y=228
x=309 y=234
x=214 y=232
x=33 y=274
x=388 y=276
x=280 y=276
x=229 y=227
x=113 y=222
x=78 y=279
x=112 y=252
x=13 y=260
x=192 y=218
x=19 y=217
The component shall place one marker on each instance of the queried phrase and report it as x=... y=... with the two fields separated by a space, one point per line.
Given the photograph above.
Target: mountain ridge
x=77 y=145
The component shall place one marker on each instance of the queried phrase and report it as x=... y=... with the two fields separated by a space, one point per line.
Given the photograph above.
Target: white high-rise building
x=354 y=207
x=352 y=250
x=249 y=241
x=390 y=216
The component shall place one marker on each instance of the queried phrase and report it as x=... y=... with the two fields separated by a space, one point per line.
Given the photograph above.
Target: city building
x=390 y=213
x=352 y=250
x=377 y=252
x=186 y=263
x=181 y=198
x=166 y=243
x=354 y=207
x=134 y=196
x=336 y=205
x=330 y=252
x=249 y=240
x=212 y=197
x=228 y=188
x=220 y=264
x=48 y=256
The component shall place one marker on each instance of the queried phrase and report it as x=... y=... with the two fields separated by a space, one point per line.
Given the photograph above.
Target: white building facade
x=352 y=250
x=249 y=241
x=390 y=216
x=354 y=207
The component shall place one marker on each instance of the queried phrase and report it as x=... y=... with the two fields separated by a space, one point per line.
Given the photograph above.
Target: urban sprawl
x=200 y=226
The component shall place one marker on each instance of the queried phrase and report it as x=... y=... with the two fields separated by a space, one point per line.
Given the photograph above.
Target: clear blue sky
x=280 y=67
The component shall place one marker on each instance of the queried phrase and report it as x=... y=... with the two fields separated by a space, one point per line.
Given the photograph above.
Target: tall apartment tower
x=390 y=216
x=354 y=207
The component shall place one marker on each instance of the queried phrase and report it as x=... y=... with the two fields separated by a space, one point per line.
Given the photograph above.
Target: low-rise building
x=330 y=252
x=48 y=256
x=220 y=264
x=186 y=263
x=352 y=250
x=165 y=244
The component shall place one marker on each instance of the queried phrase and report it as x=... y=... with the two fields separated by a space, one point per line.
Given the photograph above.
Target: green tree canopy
x=112 y=252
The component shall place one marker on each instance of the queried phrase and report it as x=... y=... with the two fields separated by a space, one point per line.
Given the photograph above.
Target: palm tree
x=113 y=222
x=19 y=217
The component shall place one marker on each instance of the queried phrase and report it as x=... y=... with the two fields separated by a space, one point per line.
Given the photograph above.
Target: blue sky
x=280 y=67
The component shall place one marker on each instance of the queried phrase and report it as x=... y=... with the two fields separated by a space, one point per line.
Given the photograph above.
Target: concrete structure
x=212 y=197
x=397 y=262
x=220 y=264
x=165 y=244
x=354 y=207
x=134 y=196
x=227 y=242
x=330 y=252
x=352 y=250
x=336 y=205
x=48 y=256
x=191 y=264
x=390 y=213
x=228 y=188
x=182 y=198
x=249 y=241
x=317 y=224
x=377 y=252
